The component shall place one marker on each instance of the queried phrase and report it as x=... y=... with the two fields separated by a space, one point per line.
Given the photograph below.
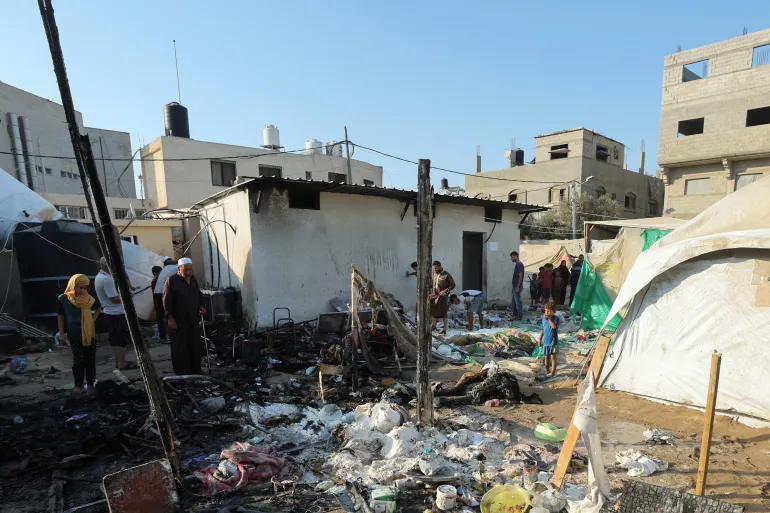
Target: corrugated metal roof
x=368 y=190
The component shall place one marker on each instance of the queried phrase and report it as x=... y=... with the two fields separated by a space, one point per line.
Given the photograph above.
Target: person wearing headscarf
x=77 y=310
x=183 y=306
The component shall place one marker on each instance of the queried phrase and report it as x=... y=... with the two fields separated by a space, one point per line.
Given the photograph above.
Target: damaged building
x=290 y=243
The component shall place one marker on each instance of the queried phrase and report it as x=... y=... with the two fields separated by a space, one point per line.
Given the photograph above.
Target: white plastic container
x=446 y=497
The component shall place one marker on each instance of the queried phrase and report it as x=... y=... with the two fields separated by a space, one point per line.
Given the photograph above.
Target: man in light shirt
x=474 y=303
x=112 y=309
x=169 y=269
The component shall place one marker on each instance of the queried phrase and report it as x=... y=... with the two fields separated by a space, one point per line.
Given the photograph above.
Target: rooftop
x=578 y=129
x=367 y=190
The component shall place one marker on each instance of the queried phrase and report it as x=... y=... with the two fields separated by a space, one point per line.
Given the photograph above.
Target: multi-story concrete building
x=715 y=122
x=178 y=172
x=35 y=129
x=567 y=156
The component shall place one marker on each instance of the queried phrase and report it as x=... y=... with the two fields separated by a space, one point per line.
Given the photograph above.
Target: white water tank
x=333 y=148
x=271 y=138
x=313 y=146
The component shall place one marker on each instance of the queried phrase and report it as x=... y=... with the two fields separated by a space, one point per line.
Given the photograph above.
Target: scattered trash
x=505 y=499
x=240 y=465
x=212 y=404
x=658 y=437
x=384 y=499
x=446 y=497
x=19 y=364
x=639 y=464
x=529 y=473
x=122 y=377
x=550 y=499
x=405 y=483
x=18 y=419
x=550 y=433
x=496 y=402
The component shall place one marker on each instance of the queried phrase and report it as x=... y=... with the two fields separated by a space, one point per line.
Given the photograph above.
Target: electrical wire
x=178 y=159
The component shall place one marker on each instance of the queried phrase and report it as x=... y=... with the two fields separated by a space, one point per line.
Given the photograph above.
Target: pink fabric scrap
x=240 y=465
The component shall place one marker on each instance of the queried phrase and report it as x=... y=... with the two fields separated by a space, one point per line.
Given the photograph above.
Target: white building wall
x=301 y=258
x=50 y=136
x=179 y=184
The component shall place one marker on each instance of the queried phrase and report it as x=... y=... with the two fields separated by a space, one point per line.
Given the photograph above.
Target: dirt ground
x=740 y=463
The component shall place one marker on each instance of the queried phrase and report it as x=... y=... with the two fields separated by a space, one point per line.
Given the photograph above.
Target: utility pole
x=424 y=289
x=573 y=200
x=109 y=241
x=347 y=153
x=104 y=169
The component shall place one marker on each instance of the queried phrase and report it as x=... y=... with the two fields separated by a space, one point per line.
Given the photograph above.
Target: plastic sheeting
x=535 y=256
x=592 y=301
x=138 y=263
x=650 y=237
x=16 y=199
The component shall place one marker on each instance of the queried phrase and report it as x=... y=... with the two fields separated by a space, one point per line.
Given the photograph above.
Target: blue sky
x=415 y=79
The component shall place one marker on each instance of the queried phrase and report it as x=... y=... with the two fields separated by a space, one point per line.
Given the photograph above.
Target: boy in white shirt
x=474 y=302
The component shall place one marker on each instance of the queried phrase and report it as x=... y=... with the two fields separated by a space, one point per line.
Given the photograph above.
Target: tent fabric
x=535 y=256
x=652 y=236
x=592 y=301
x=664 y=345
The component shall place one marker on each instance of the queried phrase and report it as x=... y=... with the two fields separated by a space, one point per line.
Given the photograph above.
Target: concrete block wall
x=722 y=99
x=573 y=138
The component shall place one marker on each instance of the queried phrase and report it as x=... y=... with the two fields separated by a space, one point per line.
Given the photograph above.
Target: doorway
x=473 y=260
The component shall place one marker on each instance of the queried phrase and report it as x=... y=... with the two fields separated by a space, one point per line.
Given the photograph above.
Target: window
x=270 y=171
x=139 y=212
x=72 y=212
x=133 y=239
x=513 y=197
x=48 y=171
x=602 y=153
x=600 y=191
x=63 y=174
x=368 y=182
x=695 y=71
x=556 y=195
x=493 y=214
x=614 y=196
x=222 y=173
x=306 y=199
x=690 y=127
x=696 y=186
x=338 y=177
x=652 y=208
x=756 y=117
x=630 y=201
x=559 y=151
x=308 y=175
x=71 y=176
x=39 y=169
x=744 y=180
x=761 y=56
x=120 y=213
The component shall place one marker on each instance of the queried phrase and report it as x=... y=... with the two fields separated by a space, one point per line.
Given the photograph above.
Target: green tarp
x=592 y=301
x=652 y=236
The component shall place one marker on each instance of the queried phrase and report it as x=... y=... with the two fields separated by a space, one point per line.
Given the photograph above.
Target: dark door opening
x=473 y=254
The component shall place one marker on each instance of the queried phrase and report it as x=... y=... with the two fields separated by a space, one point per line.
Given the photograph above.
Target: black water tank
x=176 y=121
x=45 y=267
x=445 y=183
x=519 y=158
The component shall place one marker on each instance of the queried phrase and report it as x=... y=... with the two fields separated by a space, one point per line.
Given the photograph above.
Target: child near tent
x=549 y=338
x=534 y=289
x=546 y=279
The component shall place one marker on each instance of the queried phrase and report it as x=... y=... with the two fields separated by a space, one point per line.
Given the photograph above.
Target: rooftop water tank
x=313 y=146
x=176 y=120
x=334 y=148
x=270 y=137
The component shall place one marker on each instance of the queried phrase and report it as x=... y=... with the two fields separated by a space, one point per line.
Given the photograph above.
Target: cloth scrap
x=639 y=464
x=240 y=465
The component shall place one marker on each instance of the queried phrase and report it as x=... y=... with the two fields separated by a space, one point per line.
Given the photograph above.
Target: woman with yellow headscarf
x=77 y=311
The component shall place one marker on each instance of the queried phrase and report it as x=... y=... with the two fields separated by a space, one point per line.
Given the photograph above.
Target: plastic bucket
x=446 y=497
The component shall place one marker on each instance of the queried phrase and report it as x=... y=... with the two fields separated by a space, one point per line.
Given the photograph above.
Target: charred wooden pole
x=354 y=325
x=108 y=240
x=424 y=289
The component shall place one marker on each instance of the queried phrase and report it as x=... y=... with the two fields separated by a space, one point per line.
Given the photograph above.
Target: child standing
x=534 y=289
x=546 y=279
x=549 y=338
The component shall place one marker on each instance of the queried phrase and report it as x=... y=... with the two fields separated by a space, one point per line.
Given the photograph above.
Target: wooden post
x=708 y=425
x=354 y=322
x=424 y=288
x=573 y=433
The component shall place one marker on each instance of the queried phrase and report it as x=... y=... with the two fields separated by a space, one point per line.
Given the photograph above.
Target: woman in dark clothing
x=77 y=310
x=561 y=274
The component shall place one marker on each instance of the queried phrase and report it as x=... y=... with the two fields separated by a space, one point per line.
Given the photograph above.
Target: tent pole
x=708 y=425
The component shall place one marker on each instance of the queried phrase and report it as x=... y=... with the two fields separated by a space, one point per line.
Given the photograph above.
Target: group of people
x=551 y=283
x=178 y=307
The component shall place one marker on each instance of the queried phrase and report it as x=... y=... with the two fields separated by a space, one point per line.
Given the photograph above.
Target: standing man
x=518 y=282
x=112 y=308
x=574 y=277
x=169 y=269
x=443 y=284
x=183 y=305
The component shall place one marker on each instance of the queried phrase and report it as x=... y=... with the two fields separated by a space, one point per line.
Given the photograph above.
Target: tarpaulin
x=592 y=301
x=652 y=236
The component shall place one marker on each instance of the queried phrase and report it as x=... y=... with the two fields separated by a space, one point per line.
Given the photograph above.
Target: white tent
x=702 y=288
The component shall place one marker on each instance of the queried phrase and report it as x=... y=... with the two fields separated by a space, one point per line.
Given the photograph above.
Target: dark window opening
x=695 y=71
x=600 y=191
x=690 y=127
x=652 y=208
x=63 y=174
x=756 y=117
x=559 y=151
x=338 y=177
x=308 y=175
x=120 y=213
x=561 y=195
x=513 y=197
x=48 y=171
x=270 y=171
x=133 y=239
x=368 y=182
x=222 y=173
x=493 y=214
x=139 y=213
x=614 y=196
x=761 y=56
x=552 y=196
x=307 y=199
x=602 y=153
x=630 y=203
